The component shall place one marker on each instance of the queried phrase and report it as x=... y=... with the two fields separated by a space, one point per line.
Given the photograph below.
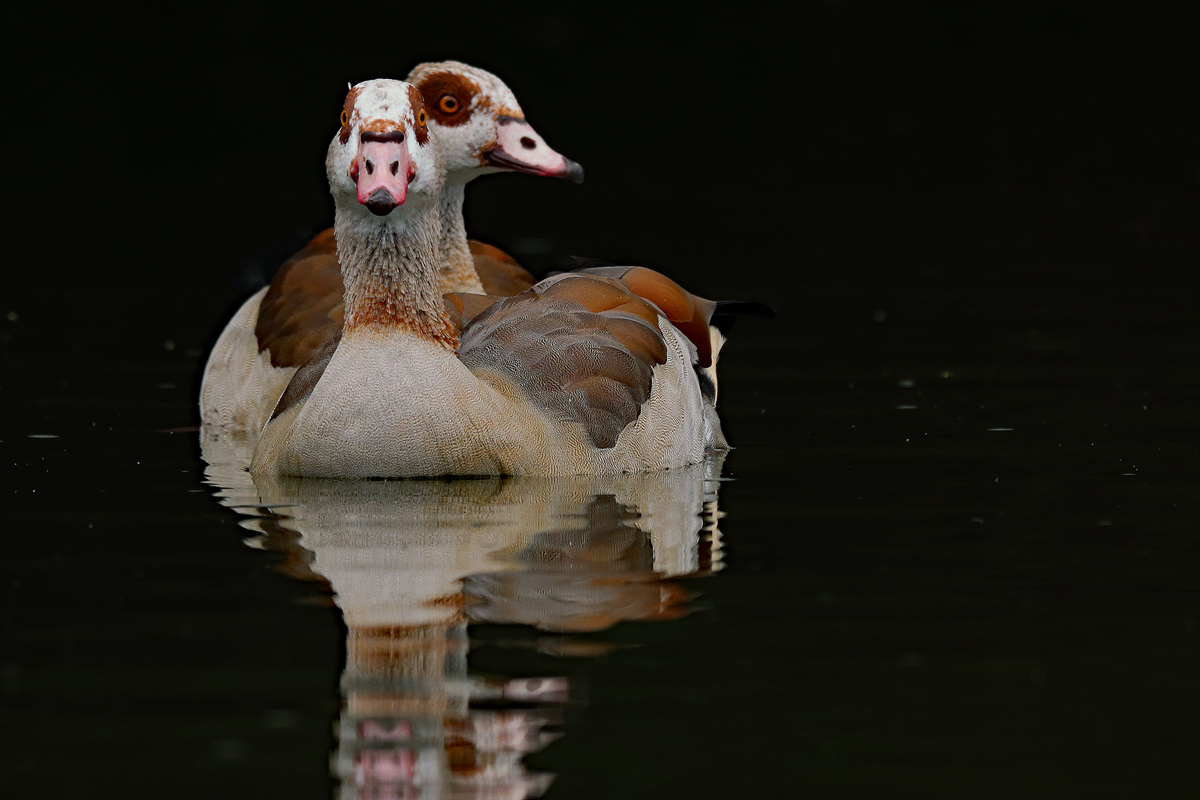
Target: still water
x=412 y=564
x=954 y=552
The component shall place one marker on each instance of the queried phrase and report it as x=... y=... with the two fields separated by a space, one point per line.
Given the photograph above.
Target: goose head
x=482 y=127
x=383 y=157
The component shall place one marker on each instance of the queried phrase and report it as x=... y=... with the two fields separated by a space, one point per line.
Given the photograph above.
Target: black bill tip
x=380 y=202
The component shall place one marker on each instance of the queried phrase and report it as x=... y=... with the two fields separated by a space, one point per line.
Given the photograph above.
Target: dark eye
x=448 y=103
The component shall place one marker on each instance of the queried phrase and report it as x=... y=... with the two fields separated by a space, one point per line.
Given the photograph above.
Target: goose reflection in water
x=410 y=564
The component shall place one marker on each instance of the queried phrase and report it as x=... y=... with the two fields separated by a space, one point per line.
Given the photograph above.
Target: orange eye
x=345 y=118
x=448 y=103
x=421 y=118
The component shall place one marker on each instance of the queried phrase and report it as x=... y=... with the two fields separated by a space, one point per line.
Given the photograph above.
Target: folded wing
x=579 y=347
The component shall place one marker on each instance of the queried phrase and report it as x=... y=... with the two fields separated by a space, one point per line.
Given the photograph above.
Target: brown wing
x=581 y=347
x=499 y=272
x=302 y=310
x=692 y=315
x=463 y=307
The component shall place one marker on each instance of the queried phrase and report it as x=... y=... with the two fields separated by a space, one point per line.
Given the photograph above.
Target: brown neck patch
x=449 y=97
x=383 y=306
x=390 y=286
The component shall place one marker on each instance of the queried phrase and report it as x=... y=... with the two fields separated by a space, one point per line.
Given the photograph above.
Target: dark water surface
x=958 y=553
x=954 y=553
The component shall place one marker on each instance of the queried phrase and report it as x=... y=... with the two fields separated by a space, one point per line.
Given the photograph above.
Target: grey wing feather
x=589 y=367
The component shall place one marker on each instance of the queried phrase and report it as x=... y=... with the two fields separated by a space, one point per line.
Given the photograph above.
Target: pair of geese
x=391 y=346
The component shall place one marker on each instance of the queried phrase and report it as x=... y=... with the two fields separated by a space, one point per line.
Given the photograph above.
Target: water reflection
x=410 y=564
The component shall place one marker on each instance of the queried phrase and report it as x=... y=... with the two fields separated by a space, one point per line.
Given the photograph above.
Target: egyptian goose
x=577 y=375
x=482 y=129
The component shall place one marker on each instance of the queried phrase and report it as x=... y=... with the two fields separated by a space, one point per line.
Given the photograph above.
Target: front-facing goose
x=483 y=130
x=577 y=375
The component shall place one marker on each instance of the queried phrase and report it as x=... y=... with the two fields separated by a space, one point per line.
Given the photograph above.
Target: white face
x=480 y=125
x=383 y=159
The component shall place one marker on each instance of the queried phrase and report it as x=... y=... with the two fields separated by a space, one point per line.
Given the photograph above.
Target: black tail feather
x=585 y=262
x=729 y=310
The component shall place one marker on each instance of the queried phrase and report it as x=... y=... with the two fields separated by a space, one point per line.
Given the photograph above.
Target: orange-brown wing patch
x=581 y=348
x=463 y=307
x=499 y=272
x=303 y=309
x=687 y=312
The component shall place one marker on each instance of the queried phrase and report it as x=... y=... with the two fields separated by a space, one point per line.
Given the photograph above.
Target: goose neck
x=391 y=271
x=457 y=267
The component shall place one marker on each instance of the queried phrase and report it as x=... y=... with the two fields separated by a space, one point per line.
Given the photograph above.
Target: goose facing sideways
x=577 y=375
x=483 y=130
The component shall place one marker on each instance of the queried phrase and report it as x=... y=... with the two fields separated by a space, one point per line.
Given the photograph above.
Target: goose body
x=482 y=129
x=450 y=420
x=577 y=375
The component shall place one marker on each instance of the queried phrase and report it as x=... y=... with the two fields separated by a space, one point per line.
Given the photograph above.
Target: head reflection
x=412 y=563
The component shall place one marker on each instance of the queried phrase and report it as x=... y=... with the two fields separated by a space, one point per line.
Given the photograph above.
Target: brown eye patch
x=417 y=101
x=347 y=113
x=448 y=97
